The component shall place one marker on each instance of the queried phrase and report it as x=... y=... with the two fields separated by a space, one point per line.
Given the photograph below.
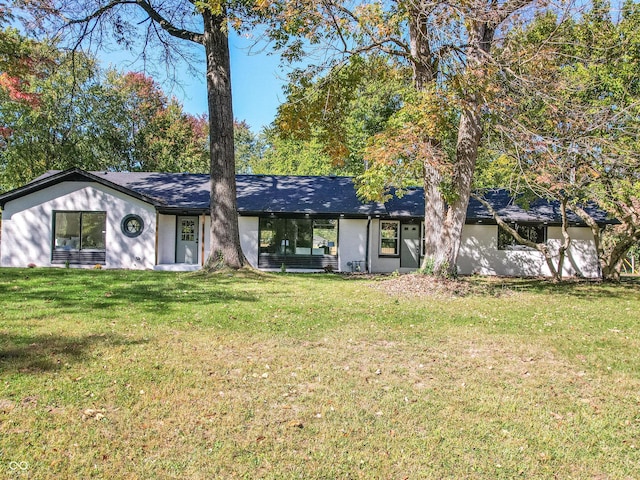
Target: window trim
x=396 y=238
x=514 y=245
x=81 y=212
x=78 y=256
x=126 y=220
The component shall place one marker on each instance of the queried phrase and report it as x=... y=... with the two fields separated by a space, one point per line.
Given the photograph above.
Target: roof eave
x=71 y=174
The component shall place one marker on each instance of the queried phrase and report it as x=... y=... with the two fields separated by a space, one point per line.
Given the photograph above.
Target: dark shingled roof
x=539 y=210
x=186 y=191
x=292 y=194
x=329 y=195
x=411 y=204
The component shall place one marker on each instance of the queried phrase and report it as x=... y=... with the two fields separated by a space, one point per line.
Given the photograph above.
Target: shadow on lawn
x=44 y=353
x=574 y=287
x=91 y=290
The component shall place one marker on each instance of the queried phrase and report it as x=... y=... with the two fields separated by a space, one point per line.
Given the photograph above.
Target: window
x=325 y=237
x=79 y=237
x=187 y=230
x=533 y=233
x=389 y=234
x=80 y=230
x=305 y=243
x=132 y=225
x=298 y=236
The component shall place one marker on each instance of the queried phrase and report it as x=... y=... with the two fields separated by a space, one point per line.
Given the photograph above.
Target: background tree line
x=61 y=109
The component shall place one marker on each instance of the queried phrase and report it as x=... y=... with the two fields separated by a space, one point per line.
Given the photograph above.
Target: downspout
x=157 y=239
x=203 y=219
x=366 y=256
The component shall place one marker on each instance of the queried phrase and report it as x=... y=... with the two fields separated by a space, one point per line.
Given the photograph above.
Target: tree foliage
x=567 y=126
x=249 y=148
x=331 y=118
x=290 y=156
x=68 y=125
x=73 y=114
x=160 y=136
x=448 y=46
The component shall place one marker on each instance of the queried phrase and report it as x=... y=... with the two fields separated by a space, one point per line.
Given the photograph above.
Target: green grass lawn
x=122 y=374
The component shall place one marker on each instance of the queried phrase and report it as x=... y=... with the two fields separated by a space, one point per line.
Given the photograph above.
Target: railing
x=310 y=262
x=78 y=257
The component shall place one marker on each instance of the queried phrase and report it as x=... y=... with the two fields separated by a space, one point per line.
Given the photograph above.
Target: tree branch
x=541 y=247
x=165 y=24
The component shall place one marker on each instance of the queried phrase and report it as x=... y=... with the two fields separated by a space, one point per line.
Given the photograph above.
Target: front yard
x=125 y=374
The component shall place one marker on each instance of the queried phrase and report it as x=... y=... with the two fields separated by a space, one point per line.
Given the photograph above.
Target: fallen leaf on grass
x=93 y=413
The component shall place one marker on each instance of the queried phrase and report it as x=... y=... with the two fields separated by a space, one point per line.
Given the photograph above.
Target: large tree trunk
x=435 y=210
x=444 y=220
x=469 y=135
x=225 y=250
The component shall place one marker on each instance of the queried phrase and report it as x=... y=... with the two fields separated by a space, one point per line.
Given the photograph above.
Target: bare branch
x=165 y=24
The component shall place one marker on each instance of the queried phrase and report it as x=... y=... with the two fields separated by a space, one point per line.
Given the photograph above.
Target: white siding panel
x=166 y=239
x=207 y=237
x=249 y=238
x=479 y=254
x=28 y=222
x=581 y=259
x=352 y=242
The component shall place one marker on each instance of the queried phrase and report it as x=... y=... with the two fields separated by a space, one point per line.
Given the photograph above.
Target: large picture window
x=79 y=237
x=298 y=236
x=298 y=242
x=389 y=237
x=533 y=233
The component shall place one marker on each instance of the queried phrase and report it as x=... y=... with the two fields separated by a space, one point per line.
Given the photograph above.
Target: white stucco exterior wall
x=206 y=221
x=166 y=239
x=352 y=242
x=479 y=254
x=249 y=238
x=27 y=225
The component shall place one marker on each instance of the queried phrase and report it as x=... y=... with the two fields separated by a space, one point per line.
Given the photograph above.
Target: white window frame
x=513 y=243
x=396 y=238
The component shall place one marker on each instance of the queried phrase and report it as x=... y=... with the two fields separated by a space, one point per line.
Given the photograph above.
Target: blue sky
x=256 y=78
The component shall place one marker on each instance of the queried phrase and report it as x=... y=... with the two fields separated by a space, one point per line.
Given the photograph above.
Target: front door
x=187 y=241
x=410 y=246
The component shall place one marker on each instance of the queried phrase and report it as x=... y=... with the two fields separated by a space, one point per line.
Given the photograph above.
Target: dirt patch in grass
x=415 y=285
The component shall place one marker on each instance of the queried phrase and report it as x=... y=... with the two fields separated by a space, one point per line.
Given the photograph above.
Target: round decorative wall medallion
x=132 y=225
